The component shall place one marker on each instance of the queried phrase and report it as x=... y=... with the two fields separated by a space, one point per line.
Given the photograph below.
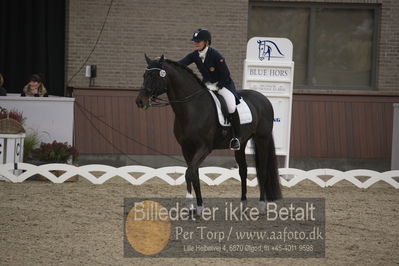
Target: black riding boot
x=235 y=124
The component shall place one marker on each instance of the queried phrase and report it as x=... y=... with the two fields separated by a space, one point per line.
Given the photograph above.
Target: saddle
x=243 y=110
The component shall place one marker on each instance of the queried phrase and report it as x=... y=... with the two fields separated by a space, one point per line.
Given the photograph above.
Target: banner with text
x=269 y=69
x=162 y=227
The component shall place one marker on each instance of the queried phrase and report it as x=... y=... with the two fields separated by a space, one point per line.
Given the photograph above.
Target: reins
x=159 y=102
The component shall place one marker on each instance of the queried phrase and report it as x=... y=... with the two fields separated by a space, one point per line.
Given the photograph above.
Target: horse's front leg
x=192 y=179
x=188 y=156
x=192 y=174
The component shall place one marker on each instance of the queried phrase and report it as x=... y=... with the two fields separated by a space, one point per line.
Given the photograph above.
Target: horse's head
x=154 y=83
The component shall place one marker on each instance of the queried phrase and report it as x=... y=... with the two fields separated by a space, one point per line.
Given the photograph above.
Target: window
x=334 y=45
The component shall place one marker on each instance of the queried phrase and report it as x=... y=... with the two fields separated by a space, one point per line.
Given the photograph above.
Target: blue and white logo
x=268 y=49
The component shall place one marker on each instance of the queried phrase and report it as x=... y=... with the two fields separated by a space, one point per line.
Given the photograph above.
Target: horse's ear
x=147 y=59
x=161 y=59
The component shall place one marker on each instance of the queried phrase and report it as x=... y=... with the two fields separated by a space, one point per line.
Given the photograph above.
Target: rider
x=216 y=76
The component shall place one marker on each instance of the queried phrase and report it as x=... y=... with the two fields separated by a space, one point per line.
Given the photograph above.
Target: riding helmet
x=201 y=35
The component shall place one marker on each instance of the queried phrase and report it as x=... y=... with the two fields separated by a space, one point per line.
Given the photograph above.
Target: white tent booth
x=269 y=69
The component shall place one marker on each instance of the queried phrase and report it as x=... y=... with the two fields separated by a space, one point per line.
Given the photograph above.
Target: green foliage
x=31 y=142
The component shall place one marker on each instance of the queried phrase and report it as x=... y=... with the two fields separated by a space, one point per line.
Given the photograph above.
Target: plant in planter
x=55 y=152
x=12 y=138
x=31 y=142
x=11 y=122
x=13 y=114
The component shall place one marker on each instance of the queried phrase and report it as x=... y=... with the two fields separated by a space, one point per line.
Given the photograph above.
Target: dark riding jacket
x=213 y=69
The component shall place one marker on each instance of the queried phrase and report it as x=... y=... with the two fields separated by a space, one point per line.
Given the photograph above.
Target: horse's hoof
x=190 y=205
x=190 y=209
x=262 y=207
x=189 y=202
x=199 y=210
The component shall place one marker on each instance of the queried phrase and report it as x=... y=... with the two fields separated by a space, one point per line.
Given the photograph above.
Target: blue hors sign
x=269 y=69
x=260 y=73
x=269 y=72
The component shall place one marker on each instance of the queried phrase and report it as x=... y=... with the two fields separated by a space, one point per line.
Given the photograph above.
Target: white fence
x=289 y=176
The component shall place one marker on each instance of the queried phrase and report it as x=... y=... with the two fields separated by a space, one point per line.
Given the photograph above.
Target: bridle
x=162 y=72
x=155 y=101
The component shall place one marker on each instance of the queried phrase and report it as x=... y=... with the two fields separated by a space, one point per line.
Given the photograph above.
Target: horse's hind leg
x=242 y=168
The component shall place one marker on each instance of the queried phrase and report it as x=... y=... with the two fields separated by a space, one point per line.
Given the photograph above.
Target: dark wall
x=342 y=126
x=32 y=40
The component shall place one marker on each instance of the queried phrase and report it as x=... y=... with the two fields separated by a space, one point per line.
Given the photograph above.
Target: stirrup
x=235 y=144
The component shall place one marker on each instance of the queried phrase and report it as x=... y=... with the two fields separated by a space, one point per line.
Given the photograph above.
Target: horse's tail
x=267 y=171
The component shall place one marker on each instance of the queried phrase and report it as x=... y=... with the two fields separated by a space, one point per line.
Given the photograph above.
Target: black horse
x=197 y=130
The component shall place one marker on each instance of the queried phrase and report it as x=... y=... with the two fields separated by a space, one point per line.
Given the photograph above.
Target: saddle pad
x=243 y=111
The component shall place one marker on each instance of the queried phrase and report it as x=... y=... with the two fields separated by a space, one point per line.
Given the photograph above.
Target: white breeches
x=229 y=98
x=227 y=95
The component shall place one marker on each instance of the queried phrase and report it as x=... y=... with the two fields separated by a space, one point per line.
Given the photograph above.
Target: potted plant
x=31 y=142
x=11 y=122
x=12 y=134
x=13 y=114
x=55 y=152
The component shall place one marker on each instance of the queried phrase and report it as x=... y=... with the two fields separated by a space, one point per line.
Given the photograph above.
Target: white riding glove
x=212 y=86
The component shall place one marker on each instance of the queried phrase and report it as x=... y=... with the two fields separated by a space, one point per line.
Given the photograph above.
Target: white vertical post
x=2 y=151
x=12 y=150
x=395 y=138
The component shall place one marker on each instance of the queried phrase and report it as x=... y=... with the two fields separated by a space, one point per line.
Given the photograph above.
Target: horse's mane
x=189 y=70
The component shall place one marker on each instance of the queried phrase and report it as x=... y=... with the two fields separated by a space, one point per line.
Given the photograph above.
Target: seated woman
x=35 y=87
x=3 y=91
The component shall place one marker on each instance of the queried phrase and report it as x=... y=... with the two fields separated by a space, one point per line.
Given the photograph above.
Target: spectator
x=35 y=87
x=3 y=91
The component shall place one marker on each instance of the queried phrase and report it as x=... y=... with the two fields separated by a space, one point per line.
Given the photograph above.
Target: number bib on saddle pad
x=243 y=111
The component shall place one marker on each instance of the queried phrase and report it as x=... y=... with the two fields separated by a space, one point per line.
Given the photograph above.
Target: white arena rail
x=289 y=176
